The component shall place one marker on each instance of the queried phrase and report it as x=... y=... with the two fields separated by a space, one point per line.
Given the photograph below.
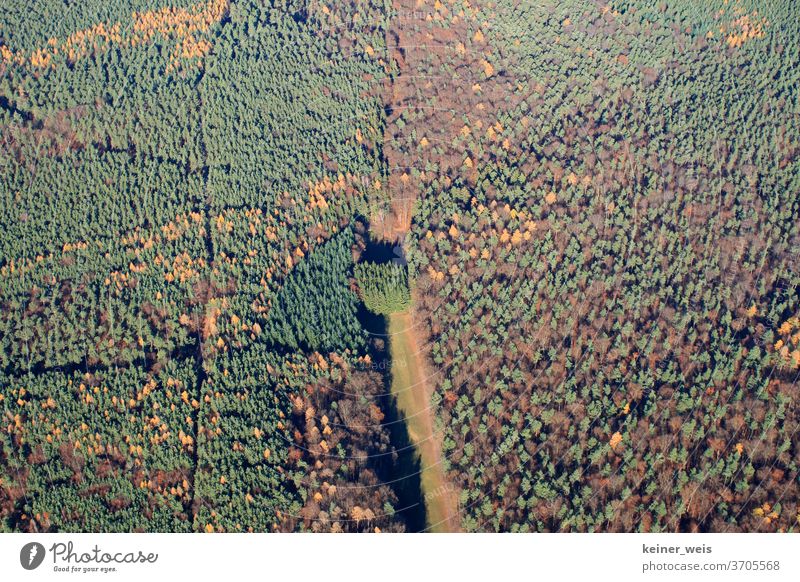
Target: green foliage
x=328 y=321
x=177 y=184
x=99 y=451
x=603 y=280
x=383 y=287
x=603 y=247
x=30 y=25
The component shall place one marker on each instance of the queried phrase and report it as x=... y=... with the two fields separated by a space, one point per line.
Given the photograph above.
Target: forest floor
x=413 y=392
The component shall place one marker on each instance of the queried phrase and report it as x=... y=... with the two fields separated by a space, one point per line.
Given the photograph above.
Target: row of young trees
x=383 y=287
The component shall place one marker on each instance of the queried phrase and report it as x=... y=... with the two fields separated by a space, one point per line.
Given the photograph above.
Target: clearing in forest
x=411 y=388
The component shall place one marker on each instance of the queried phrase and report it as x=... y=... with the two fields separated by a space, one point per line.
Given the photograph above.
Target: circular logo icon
x=31 y=555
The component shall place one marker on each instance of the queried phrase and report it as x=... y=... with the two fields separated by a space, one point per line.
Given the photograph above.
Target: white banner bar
x=416 y=557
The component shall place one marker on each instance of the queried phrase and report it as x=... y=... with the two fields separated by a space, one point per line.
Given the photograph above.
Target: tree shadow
x=401 y=469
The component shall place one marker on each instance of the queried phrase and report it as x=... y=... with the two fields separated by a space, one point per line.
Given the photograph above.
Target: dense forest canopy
x=606 y=249
x=383 y=287
x=597 y=208
x=180 y=342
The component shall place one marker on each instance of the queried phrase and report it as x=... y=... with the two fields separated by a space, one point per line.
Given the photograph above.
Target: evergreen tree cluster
x=383 y=287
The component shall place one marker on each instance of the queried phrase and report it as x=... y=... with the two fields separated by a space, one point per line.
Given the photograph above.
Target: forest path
x=413 y=392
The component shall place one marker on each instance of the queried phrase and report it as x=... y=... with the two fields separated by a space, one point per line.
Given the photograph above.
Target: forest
x=605 y=246
x=210 y=209
x=181 y=344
